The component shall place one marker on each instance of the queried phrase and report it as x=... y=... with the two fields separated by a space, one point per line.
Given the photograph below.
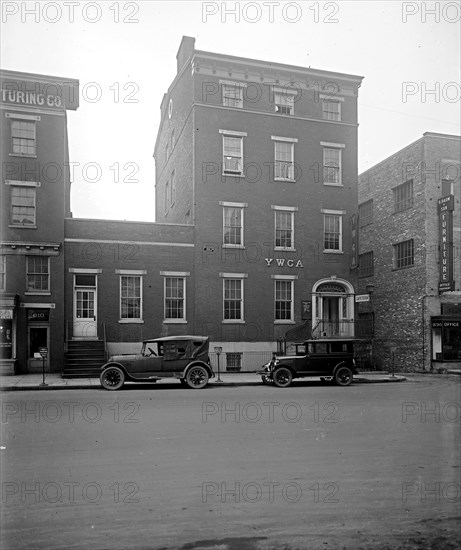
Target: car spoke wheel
x=197 y=377
x=112 y=378
x=282 y=377
x=343 y=376
x=266 y=379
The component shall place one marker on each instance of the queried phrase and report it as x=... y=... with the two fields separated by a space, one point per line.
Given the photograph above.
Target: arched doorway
x=333 y=309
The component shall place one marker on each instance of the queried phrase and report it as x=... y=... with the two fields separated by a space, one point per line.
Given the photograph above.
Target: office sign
x=446 y=206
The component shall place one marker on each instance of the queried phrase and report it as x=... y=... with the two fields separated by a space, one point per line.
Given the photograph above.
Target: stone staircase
x=84 y=358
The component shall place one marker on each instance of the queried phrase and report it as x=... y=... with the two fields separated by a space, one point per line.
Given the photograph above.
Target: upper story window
x=403 y=196
x=38 y=274
x=232 y=152
x=175 y=296
x=23 y=138
x=233 y=226
x=331 y=109
x=232 y=93
x=366 y=264
x=404 y=254
x=131 y=297
x=233 y=297
x=366 y=213
x=332 y=169
x=23 y=202
x=284 y=227
x=333 y=230
x=284 y=303
x=284 y=101
x=284 y=158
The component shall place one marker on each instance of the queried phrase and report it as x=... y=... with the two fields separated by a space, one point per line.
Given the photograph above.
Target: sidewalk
x=54 y=381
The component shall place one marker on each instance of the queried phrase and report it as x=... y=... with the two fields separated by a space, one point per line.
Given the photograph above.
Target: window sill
x=284 y=322
x=290 y=180
x=227 y=245
x=404 y=267
x=30 y=293
x=14 y=226
x=327 y=184
x=23 y=155
x=131 y=321
x=403 y=210
x=174 y=322
x=233 y=322
x=233 y=175
x=333 y=252
x=284 y=249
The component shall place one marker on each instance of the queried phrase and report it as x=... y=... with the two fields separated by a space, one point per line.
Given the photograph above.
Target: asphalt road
x=239 y=468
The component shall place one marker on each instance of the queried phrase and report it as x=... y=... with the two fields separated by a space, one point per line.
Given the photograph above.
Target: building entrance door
x=38 y=337
x=85 y=307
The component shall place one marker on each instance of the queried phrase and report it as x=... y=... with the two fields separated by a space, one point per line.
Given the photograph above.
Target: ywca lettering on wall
x=282 y=262
x=446 y=206
x=18 y=97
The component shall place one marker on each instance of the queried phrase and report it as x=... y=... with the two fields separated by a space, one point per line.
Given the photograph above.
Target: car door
x=176 y=355
x=146 y=363
x=319 y=359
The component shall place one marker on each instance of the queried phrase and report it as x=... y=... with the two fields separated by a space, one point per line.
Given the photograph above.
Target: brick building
x=256 y=188
x=410 y=243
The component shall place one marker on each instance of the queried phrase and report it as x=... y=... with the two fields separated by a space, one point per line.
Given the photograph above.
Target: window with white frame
x=332 y=231
x=404 y=254
x=403 y=196
x=284 y=299
x=284 y=101
x=332 y=166
x=232 y=94
x=2 y=272
x=284 y=160
x=175 y=298
x=233 y=225
x=232 y=155
x=233 y=299
x=38 y=273
x=23 y=204
x=331 y=110
x=23 y=137
x=131 y=297
x=284 y=228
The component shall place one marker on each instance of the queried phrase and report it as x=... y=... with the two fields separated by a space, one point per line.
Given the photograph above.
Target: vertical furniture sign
x=446 y=206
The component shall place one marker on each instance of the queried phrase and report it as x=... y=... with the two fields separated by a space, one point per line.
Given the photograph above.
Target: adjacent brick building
x=410 y=244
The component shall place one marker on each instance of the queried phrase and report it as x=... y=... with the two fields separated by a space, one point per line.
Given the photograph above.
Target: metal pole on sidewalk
x=218 y=350
x=43 y=353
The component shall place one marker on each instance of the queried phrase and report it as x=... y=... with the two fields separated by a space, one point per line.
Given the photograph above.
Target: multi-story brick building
x=410 y=244
x=256 y=188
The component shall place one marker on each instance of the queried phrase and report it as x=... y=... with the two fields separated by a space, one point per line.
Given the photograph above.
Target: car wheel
x=266 y=379
x=282 y=377
x=343 y=376
x=197 y=377
x=112 y=378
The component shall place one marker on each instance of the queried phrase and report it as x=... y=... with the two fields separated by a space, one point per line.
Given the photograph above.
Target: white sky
x=367 y=38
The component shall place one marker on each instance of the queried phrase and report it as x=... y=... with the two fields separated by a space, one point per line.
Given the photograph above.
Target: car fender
x=114 y=364
x=202 y=364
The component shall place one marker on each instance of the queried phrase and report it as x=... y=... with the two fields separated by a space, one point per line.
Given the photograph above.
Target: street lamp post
x=218 y=351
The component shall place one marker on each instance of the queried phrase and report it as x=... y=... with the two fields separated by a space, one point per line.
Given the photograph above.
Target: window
x=331 y=110
x=283 y=300
x=23 y=138
x=284 y=228
x=331 y=166
x=38 y=274
x=404 y=254
x=130 y=297
x=232 y=155
x=175 y=291
x=23 y=205
x=233 y=299
x=233 y=226
x=366 y=264
x=332 y=232
x=232 y=94
x=173 y=188
x=2 y=272
x=284 y=160
x=284 y=102
x=403 y=196
x=366 y=213
x=447 y=188
x=233 y=361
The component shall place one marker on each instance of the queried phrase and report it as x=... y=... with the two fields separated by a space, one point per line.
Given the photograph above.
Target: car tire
x=112 y=378
x=266 y=379
x=343 y=376
x=282 y=377
x=197 y=377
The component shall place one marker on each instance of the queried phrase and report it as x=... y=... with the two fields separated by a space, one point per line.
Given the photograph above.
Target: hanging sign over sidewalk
x=446 y=206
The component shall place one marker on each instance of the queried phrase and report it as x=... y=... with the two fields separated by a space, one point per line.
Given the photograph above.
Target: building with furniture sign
x=410 y=243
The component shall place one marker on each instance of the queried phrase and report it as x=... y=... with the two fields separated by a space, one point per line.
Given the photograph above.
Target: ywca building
x=255 y=234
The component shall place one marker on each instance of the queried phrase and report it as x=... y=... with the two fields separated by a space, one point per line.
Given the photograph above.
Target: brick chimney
x=186 y=49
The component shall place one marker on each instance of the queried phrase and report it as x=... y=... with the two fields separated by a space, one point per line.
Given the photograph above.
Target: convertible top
x=180 y=337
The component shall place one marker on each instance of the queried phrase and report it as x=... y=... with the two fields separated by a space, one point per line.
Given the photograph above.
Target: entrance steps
x=84 y=358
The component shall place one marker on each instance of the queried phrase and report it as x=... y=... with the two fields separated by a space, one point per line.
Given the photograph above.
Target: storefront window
x=446 y=339
x=6 y=339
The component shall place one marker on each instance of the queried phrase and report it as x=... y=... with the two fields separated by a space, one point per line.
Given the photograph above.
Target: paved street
x=370 y=466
